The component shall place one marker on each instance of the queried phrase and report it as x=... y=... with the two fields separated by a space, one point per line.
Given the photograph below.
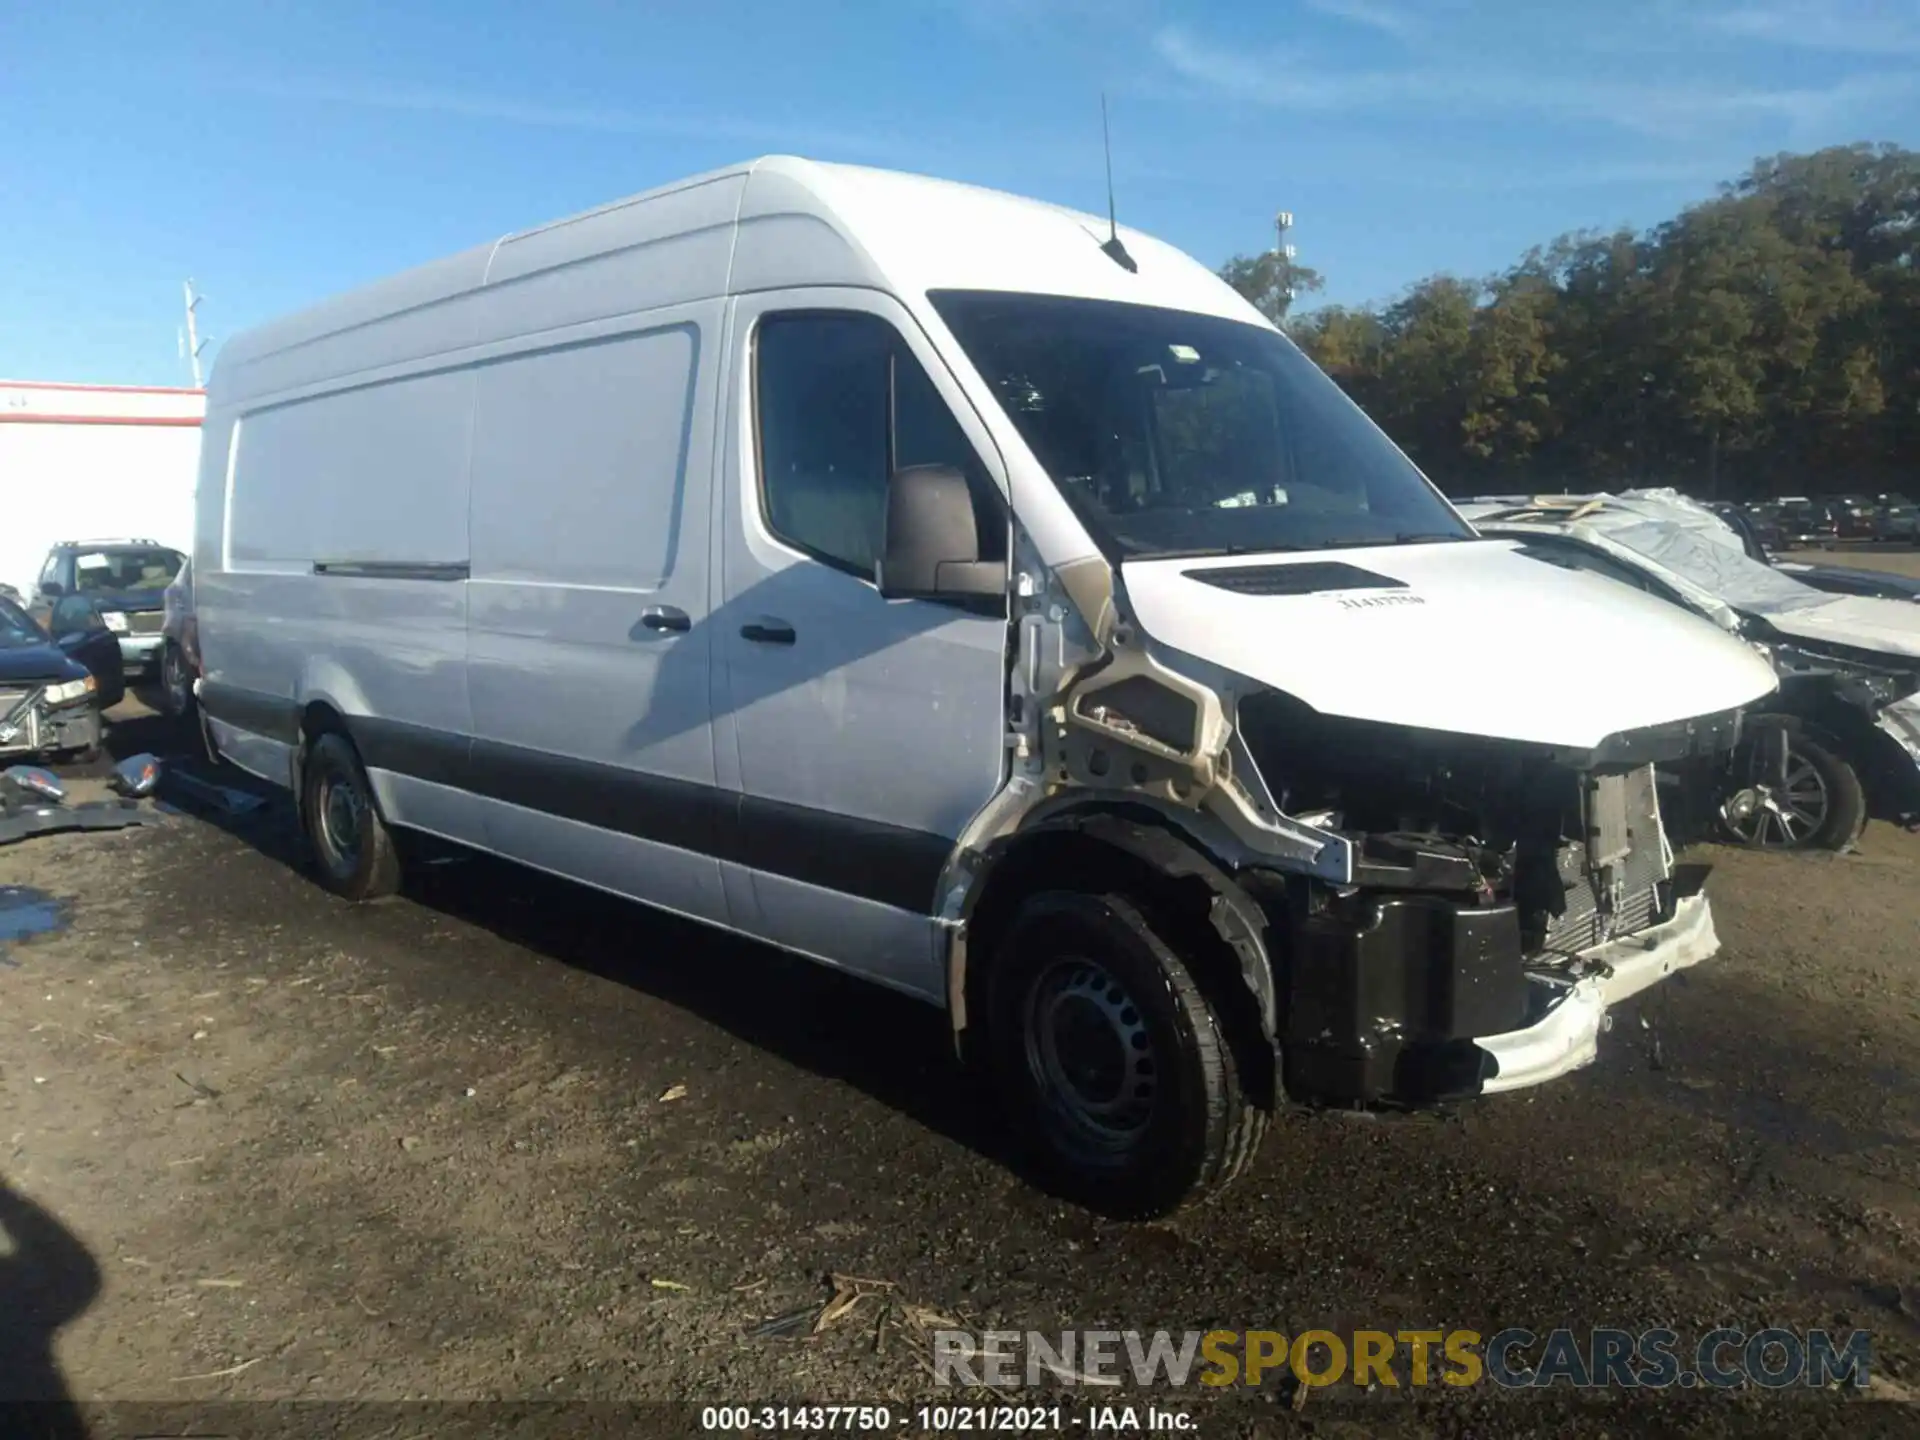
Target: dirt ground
x=505 y=1138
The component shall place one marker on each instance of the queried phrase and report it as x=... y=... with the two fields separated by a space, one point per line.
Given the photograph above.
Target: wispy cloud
x=1286 y=80
x=1369 y=14
x=1865 y=27
x=501 y=110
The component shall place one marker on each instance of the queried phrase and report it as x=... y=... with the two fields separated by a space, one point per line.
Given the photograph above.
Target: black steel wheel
x=352 y=848
x=1111 y=1060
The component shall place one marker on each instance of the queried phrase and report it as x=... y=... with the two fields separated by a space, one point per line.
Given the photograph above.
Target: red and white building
x=86 y=462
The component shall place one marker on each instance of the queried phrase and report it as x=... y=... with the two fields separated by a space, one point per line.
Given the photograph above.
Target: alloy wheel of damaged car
x=355 y=853
x=1813 y=801
x=1112 y=1062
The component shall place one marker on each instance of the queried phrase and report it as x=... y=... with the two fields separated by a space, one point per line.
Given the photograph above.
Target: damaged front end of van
x=1422 y=912
x=1338 y=739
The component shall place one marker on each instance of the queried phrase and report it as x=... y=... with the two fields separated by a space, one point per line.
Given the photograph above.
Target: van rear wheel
x=352 y=847
x=1114 y=1066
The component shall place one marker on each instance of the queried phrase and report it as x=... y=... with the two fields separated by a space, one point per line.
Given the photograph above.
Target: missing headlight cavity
x=1577 y=850
x=1138 y=703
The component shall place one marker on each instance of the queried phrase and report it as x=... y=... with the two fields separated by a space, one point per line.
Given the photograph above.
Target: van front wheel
x=1113 y=1064
x=355 y=853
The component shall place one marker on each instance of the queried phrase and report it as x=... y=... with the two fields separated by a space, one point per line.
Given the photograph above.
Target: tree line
x=1763 y=342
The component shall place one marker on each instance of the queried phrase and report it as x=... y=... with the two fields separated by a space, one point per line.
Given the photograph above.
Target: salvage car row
x=102 y=614
x=1797 y=520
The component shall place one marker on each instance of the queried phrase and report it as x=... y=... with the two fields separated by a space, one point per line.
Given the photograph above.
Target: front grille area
x=19 y=720
x=146 y=622
x=1605 y=902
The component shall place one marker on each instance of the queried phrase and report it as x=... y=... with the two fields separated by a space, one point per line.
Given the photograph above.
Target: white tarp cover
x=1678 y=535
x=1696 y=552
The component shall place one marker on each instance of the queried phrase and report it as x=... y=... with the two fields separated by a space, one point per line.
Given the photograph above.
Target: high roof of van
x=772 y=223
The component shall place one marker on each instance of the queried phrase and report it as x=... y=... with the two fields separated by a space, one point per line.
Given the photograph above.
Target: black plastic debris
x=194 y=792
x=33 y=802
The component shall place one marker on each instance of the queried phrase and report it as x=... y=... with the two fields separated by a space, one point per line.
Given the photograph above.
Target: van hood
x=1891 y=627
x=1469 y=637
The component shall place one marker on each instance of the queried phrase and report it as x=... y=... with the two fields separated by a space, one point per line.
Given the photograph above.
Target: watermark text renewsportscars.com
x=1770 y=1358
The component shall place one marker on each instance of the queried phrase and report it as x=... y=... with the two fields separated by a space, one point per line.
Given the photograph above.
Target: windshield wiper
x=1405 y=538
x=1217 y=552
x=1214 y=552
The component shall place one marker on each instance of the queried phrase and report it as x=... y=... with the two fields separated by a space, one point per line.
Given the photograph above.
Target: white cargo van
x=936 y=584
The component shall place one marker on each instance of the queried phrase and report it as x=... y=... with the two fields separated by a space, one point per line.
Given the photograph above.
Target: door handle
x=767 y=631
x=665 y=617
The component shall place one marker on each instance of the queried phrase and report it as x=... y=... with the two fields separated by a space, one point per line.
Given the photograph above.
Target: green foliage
x=1270 y=282
x=1765 y=341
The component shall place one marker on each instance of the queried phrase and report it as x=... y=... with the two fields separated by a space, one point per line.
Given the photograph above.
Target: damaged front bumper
x=34 y=728
x=1567 y=1037
x=1414 y=1000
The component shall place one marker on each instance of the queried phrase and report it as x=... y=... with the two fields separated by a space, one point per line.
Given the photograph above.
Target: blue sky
x=278 y=152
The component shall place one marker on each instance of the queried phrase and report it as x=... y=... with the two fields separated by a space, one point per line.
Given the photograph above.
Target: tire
x=352 y=848
x=1791 y=822
x=176 y=683
x=1083 y=986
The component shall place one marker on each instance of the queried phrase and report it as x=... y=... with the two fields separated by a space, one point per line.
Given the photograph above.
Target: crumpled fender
x=1236 y=916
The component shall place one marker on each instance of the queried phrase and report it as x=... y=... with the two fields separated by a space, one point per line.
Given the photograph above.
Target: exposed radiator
x=1619 y=896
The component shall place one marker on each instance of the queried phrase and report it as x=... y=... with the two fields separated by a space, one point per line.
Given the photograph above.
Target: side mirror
x=136 y=777
x=932 y=548
x=27 y=780
x=51 y=588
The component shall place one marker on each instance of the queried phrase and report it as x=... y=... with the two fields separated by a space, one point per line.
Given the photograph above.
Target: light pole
x=190 y=342
x=1283 y=254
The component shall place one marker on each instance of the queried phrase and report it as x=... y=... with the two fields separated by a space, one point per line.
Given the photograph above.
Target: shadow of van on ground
x=47 y=1279
x=893 y=1048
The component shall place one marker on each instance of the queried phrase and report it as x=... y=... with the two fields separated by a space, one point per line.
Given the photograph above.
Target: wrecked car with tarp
x=1840 y=742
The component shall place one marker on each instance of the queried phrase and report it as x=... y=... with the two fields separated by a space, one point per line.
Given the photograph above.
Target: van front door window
x=841 y=404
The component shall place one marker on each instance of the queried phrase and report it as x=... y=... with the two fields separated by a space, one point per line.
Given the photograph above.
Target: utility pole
x=192 y=344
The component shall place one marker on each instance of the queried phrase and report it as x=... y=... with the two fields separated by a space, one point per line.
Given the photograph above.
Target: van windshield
x=1176 y=434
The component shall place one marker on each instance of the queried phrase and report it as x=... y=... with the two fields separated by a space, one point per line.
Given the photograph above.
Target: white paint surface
x=80 y=463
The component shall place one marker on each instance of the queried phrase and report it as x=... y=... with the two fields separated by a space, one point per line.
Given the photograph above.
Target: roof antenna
x=1116 y=252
